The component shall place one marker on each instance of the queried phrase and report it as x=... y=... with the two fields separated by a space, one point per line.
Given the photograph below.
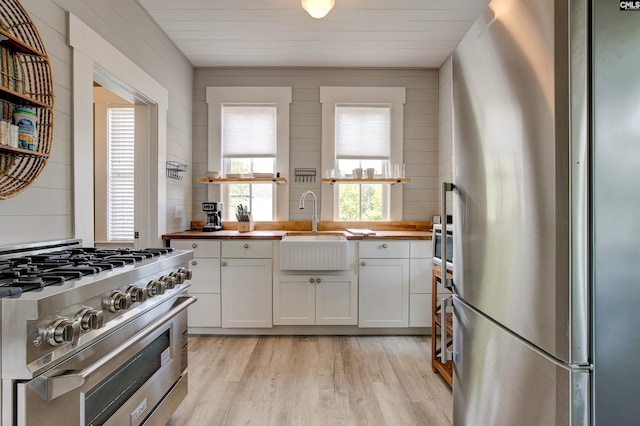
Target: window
x=249 y=133
x=362 y=128
x=120 y=174
x=249 y=145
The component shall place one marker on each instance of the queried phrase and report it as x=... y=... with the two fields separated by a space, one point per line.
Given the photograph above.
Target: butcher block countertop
x=276 y=230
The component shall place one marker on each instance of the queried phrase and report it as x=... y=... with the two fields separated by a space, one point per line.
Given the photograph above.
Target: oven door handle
x=51 y=387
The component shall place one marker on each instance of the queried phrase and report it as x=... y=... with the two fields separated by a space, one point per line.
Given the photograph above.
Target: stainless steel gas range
x=92 y=336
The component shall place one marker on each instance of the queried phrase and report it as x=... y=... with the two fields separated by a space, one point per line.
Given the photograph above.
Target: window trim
x=332 y=95
x=281 y=96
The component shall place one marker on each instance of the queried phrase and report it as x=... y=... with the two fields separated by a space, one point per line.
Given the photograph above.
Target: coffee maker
x=214 y=216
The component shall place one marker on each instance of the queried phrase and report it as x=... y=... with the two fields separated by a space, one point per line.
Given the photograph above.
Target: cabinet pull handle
x=223 y=263
x=444 y=354
x=318 y=280
x=363 y=263
x=311 y=280
x=194 y=263
x=246 y=246
x=385 y=245
x=194 y=245
x=446 y=187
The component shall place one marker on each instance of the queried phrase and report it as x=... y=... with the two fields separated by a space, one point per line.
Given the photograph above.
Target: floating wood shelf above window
x=217 y=181
x=392 y=181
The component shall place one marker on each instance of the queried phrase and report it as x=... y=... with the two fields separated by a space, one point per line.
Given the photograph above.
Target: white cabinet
x=312 y=299
x=383 y=284
x=420 y=283
x=205 y=281
x=246 y=284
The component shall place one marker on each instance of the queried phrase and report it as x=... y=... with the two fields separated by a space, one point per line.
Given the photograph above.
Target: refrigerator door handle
x=446 y=187
x=445 y=355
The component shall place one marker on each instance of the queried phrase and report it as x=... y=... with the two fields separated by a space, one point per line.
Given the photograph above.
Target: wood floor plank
x=313 y=380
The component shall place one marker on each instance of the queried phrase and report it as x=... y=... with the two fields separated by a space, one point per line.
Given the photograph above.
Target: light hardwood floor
x=313 y=380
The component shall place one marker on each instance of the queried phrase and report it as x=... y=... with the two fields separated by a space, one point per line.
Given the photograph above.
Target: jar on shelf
x=26 y=119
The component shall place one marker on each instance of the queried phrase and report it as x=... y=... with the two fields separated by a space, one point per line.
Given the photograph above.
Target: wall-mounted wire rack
x=305 y=174
x=174 y=168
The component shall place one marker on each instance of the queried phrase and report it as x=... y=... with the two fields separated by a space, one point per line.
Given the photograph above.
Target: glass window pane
x=360 y=202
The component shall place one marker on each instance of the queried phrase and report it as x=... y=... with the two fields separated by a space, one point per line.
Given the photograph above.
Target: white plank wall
x=420 y=126
x=48 y=203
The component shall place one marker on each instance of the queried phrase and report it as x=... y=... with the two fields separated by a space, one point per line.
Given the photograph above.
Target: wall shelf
x=25 y=80
x=217 y=181
x=13 y=43
x=22 y=152
x=392 y=181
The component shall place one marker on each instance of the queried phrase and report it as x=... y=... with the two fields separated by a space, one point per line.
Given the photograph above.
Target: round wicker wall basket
x=25 y=80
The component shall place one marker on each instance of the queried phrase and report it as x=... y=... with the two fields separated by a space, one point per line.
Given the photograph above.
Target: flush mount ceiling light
x=318 y=8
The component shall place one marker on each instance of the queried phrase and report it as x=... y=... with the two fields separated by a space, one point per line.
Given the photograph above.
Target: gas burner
x=31 y=271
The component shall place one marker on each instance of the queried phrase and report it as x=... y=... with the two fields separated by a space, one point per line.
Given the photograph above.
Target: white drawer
x=201 y=248
x=421 y=249
x=381 y=249
x=249 y=249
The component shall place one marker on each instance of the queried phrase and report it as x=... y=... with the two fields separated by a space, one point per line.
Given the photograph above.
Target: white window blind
x=249 y=131
x=121 y=168
x=363 y=131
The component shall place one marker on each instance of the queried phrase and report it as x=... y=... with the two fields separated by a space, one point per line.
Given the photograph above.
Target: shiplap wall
x=420 y=125
x=45 y=210
x=445 y=131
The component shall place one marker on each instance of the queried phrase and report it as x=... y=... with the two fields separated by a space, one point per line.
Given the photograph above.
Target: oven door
x=123 y=379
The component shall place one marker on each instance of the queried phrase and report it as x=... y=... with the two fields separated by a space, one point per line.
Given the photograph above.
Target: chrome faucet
x=314 y=216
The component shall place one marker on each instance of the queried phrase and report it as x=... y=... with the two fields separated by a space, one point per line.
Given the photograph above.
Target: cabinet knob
x=223 y=263
x=384 y=245
x=194 y=263
x=363 y=263
x=311 y=280
x=194 y=245
x=318 y=280
x=246 y=246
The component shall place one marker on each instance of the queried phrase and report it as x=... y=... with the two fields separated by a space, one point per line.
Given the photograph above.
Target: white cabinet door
x=384 y=293
x=246 y=289
x=420 y=310
x=336 y=300
x=294 y=300
x=315 y=300
x=420 y=275
x=205 y=273
x=205 y=312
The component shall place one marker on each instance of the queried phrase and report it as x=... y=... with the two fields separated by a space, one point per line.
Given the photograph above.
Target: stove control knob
x=90 y=319
x=187 y=273
x=63 y=331
x=117 y=301
x=155 y=288
x=137 y=294
x=179 y=276
x=169 y=282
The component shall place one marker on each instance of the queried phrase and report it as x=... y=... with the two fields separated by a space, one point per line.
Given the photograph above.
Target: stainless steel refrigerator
x=546 y=214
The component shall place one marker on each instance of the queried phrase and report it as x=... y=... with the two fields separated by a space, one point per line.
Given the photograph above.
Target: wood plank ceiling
x=279 y=33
